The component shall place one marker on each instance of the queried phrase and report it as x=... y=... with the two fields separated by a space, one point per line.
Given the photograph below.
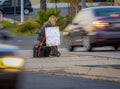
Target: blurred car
x=5 y=35
x=94 y=27
x=10 y=66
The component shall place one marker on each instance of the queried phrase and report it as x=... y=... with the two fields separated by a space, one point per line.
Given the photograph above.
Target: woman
x=50 y=23
x=41 y=35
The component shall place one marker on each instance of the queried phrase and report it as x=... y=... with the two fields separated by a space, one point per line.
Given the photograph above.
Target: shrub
x=6 y=24
x=44 y=15
x=31 y=26
x=62 y=22
x=27 y=28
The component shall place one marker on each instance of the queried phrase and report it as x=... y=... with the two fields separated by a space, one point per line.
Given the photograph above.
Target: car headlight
x=14 y=62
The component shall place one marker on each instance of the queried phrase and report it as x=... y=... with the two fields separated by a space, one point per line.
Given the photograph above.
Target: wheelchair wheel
x=58 y=54
x=35 y=54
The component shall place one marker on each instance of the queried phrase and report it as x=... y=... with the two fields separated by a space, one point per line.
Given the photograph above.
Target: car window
x=7 y=3
x=6 y=54
x=1 y=2
x=87 y=14
x=25 y=2
x=105 y=12
x=83 y=16
x=78 y=17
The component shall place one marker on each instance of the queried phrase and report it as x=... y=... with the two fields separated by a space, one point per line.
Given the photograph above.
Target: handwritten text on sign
x=52 y=36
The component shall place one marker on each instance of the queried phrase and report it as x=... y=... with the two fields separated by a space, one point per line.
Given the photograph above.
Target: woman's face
x=53 y=21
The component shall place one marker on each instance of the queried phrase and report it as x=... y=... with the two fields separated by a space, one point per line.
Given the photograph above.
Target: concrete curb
x=106 y=72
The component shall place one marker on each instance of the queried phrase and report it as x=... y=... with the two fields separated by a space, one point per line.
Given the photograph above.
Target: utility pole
x=14 y=13
x=73 y=7
x=22 y=11
x=43 y=5
x=83 y=4
x=77 y=4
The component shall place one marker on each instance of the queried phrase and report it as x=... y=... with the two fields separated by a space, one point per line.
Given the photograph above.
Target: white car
x=95 y=27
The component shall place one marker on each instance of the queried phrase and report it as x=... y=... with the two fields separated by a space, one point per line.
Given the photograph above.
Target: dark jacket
x=41 y=32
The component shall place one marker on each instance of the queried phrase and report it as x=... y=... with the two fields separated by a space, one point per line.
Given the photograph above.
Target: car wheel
x=70 y=47
x=116 y=47
x=87 y=44
x=57 y=54
x=26 y=12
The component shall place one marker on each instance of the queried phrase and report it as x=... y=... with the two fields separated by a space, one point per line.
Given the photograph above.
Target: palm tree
x=43 y=5
x=55 y=1
x=73 y=5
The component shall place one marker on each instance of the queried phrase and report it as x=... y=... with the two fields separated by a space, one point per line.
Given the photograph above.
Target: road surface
x=34 y=80
x=27 y=43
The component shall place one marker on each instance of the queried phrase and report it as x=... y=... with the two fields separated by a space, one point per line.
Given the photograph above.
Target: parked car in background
x=14 y=6
x=5 y=35
x=10 y=66
x=94 y=27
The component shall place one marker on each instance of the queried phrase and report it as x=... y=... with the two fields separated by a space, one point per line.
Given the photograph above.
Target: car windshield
x=2 y=54
x=105 y=12
x=2 y=1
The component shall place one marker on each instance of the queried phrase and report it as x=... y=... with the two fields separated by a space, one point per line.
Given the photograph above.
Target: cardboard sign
x=52 y=36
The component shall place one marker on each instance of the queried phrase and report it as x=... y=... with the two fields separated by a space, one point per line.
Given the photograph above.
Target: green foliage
x=55 y=1
x=31 y=26
x=62 y=22
x=53 y=12
x=41 y=16
x=44 y=15
x=27 y=28
x=6 y=24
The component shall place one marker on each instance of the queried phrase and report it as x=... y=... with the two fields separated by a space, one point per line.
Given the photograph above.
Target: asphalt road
x=34 y=80
x=27 y=43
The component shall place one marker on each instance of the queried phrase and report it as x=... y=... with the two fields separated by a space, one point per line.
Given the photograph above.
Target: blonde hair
x=52 y=19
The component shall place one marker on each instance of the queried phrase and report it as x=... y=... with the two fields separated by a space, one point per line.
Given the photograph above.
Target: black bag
x=47 y=51
x=44 y=51
x=41 y=53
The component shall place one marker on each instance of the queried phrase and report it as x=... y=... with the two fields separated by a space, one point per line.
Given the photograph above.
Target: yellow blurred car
x=10 y=66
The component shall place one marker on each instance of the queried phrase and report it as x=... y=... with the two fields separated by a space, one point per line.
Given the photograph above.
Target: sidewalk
x=68 y=64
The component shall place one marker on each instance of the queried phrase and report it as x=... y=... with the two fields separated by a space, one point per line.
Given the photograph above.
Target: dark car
x=14 y=6
x=10 y=66
x=5 y=35
x=95 y=27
